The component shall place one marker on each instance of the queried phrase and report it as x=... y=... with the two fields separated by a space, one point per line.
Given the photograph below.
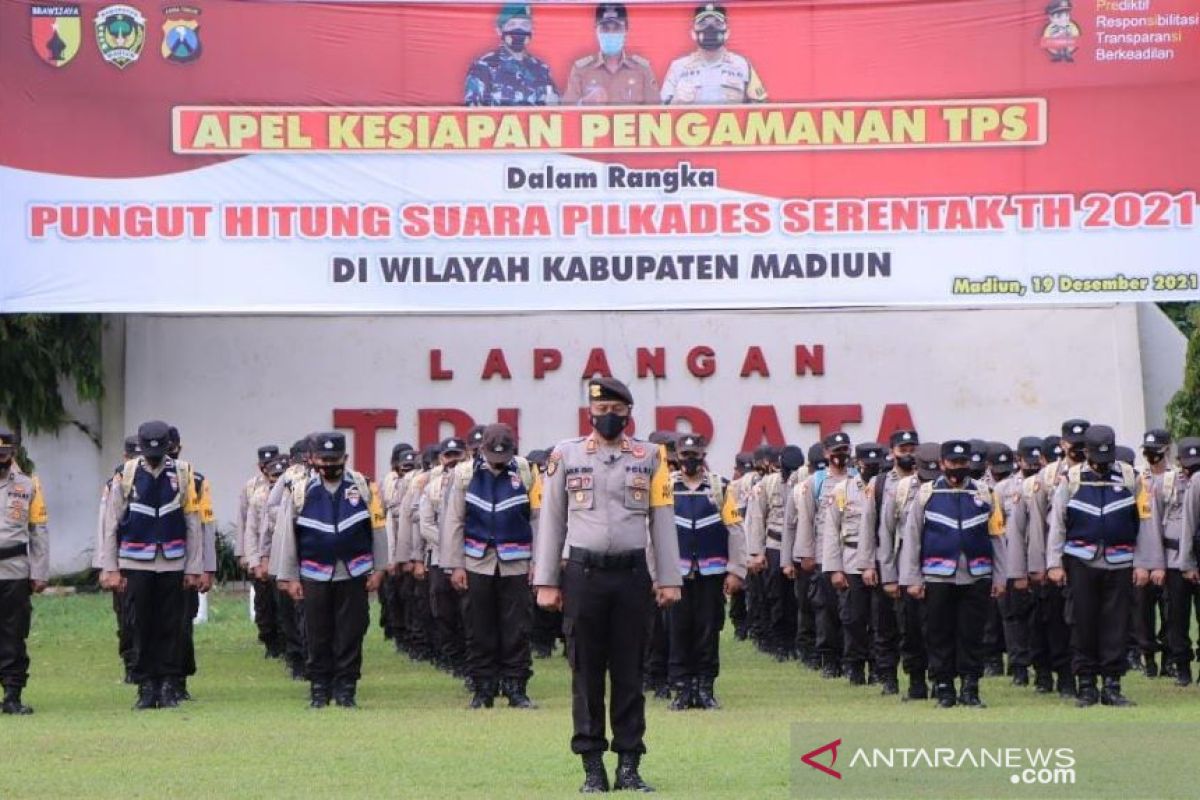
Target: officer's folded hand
x=838 y=579
x=549 y=598
x=37 y=587
x=407 y=567
x=191 y=581
x=667 y=596
x=870 y=577
x=374 y=581
x=757 y=563
x=808 y=564
x=392 y=569
x=999 y=590
x=788 y=570
x=418 y=570
x=1020 y=584
x=1036 y=578
x=206 y=583
x=458 y=579
x=892 y=590
x=1191 y=575
x=1141 y=576
x=1158 y=577
x=733 y=584
x=917 y=591
x=1056 y=576
x=294 y=589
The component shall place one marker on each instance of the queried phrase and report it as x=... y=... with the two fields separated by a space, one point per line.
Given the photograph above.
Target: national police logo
x=1060 y=37
x=56 y=33
x=181 y=34
x=120 y=34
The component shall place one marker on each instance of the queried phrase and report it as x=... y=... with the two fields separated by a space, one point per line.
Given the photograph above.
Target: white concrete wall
x=233 y=383
x=1164 y=350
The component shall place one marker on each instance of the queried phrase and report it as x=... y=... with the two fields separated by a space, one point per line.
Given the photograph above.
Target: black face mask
x=6 y=462
x=710 y=39
x=958 y=474
x=868 y=471
x=610 y=425
x=154 y=461
x=1029 y=472
x=1152 y=456
x=1100 y=469
x=1076 y=454
x=1000 y=473
x=517 y=41
x=1192 y=470
x=691 y=466
x=977 y=472
x=839 y=460
x=331 y=472
x=906 y=463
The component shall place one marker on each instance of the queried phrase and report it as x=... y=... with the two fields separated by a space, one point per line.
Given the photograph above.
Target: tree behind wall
x=1183 y=412
x=39 y=355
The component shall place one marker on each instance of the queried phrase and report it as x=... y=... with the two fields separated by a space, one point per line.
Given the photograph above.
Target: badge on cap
x=154 y=442
x=959 y=449
x=328 y=445
x=1077 y=429
x=906 y=436
x=1150 y=438
x=595 y=390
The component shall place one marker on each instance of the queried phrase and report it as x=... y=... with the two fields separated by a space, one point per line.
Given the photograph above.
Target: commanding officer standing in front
x=603 y=494
x=24 y=569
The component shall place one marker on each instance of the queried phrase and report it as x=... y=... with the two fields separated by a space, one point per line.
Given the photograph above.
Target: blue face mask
x=611 y=44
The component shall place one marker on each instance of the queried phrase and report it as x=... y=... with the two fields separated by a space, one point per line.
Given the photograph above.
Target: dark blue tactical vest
x=956 y=522
x=1102 y=514
x=154 y=516
x=703 y=537
x=498 y=514
x=332 y=528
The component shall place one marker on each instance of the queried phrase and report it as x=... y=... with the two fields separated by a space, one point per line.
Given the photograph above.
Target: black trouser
x=825 y=611
x=500 y=616
x=913 y=654
x=126 y=645
x=1180 y=595
x=955 y=615
x=885 y=623
x=1018 y=609
x=266 y=613
x=993 y=632
x=738 y=611
x=336 y=617
x=547 y=627
x=1142 y=628
x=187 y=641
x=602 y=610
x=854 y=613
x=16 y=614
x=1100 y=600
x=447 y=614
x=395 y=605
x=1050 y=635
x=157 y=603
x=695 y=629
x=658 y=644
x=757 y=617
x=290 y=618
x=781 y=601
x=386 y=604
x=423 y=625
x=806 y=621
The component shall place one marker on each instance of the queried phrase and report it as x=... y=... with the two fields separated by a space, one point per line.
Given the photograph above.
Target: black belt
x=14 y=551
x=775 y=536
x=1170 y=544
x=589 y=559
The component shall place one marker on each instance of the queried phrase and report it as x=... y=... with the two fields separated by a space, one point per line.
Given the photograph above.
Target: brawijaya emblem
x=181 y=34
x=120 y=34
x=55 y=32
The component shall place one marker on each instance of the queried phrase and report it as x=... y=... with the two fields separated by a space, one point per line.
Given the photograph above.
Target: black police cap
x=956 y=450
x=1189 y=451
x=929 y=460
x=615 y=11
x=1000 y=453
x=709 y=10
x=330 y=443
x=816 y=453
x=609 y=389
x=452 y=445
x=763 y=452
x=870 y=452
x=154 y=437
x=268 y=452
x=132 y=446
x=1125 y=454
x=1100 y=442
x=1030 y=447
x=1156 y=439
x=1073 y=430
x=904 y=436
x=744 y=461
x=791 y=458
x=692 y=443
x=836 y=440
x=475 y=435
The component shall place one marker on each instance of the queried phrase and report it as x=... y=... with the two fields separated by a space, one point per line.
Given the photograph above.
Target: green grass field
x=249 y=734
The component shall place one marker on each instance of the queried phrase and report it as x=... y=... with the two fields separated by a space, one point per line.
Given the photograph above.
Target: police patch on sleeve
x=552 y=463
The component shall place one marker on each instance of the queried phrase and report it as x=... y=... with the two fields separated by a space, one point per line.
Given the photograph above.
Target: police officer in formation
x=24 y=570
x=608 y=511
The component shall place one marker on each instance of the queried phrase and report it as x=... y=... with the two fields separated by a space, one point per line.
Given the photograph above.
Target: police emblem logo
x=352 y=496
x=56 y=33
x=120 y=34
x=516 y=482
x=174 y=482
x=181 y=34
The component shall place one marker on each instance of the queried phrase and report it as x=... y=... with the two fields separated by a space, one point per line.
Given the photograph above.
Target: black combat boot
x=969 y=696
x=944 y=692
x=514 y=690
x=1151 y=666
x=1134 y=658
x=854 y=673
x=993 y=667
x=627 y=774
x=887 y=679
x=703 y=696
x=12 y=702
x=685 y=697
x=485 y=694
x=168 y=693
x=182 y=690
x=1183 y=674
x=147 y=696
x=344 y=694
x=1111 y=695
x=872 y=675
x=595 y=779
x=739 y=633
x=830 y=668
x=1066 y=685
x=1088 y=695
x=1043 y=681
x=318 y=694
x=1020 y=676
x=662 y=690
x=917 y=688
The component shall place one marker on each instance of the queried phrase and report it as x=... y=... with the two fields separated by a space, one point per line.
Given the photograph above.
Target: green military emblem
x=120 y=34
